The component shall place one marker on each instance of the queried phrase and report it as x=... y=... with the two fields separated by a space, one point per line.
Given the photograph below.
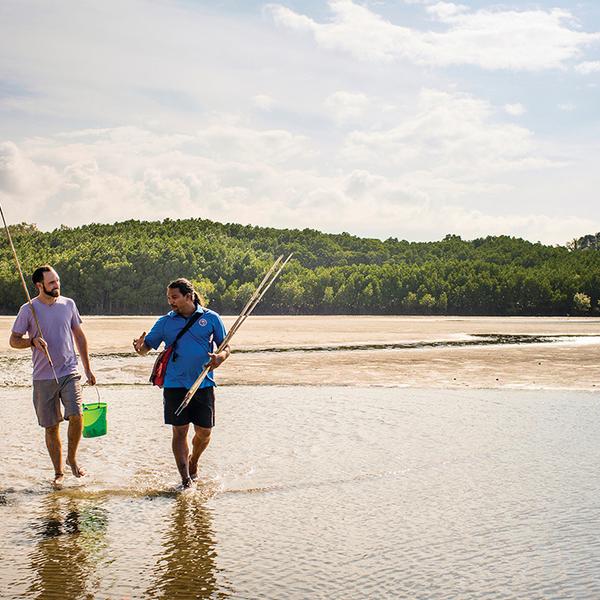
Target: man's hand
x=218 y=359
x=39 y=343
x=91 y=378
x=19 y=341
x=139 y=346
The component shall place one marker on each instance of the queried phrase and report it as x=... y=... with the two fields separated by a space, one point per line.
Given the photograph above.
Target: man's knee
x=53 y=430
x=202 y=434
x=180 y=431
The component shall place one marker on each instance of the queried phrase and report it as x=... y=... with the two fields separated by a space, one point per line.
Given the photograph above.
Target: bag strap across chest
x=185 y=328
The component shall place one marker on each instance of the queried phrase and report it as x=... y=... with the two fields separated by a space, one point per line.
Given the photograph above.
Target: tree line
x=123 y=268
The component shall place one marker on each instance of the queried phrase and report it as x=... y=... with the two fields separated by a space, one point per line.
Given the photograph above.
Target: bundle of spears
x=256 y=297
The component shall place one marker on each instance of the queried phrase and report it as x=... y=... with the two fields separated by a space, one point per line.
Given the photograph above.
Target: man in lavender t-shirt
x=60 y=323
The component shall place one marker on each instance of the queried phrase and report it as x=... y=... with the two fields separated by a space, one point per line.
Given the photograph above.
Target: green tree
x=582 y=303
x=124 y=268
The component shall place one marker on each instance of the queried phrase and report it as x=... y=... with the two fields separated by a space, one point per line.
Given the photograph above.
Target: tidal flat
x=352 y=457
x=424 y=352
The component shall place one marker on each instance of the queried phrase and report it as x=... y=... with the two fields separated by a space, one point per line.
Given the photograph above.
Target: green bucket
x=94 y=419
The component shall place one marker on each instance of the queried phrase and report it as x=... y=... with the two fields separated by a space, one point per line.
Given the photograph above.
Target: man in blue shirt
x=194 y=350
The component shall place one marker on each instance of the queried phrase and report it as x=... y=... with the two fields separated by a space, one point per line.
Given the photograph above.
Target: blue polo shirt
x=193 y=346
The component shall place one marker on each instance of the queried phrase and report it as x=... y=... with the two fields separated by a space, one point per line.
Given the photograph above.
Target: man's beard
x=54 y=293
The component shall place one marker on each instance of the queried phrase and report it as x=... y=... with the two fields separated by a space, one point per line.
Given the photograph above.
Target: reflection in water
x=187 y=567
x=70 y=539
x=396 y=493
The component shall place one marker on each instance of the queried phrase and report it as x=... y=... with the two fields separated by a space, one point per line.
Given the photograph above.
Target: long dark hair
x=186 y=287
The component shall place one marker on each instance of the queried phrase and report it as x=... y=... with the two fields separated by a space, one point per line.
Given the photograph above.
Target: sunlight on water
x=313 y=492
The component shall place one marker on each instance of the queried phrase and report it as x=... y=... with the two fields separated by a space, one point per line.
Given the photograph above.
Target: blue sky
x=402 y=118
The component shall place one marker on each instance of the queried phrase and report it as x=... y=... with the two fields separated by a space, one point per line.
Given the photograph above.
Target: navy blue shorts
x=200 y=411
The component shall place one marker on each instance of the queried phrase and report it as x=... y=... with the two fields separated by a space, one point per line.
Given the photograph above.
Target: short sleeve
x=75 y=316
x=219 y=332
x=156 y=335
x=22 y=322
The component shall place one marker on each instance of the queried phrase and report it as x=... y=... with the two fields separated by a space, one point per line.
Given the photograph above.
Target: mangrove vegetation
x=123 y=268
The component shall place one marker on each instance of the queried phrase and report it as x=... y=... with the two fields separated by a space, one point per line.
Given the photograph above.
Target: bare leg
x=54 y=446
x=74 y=435
x=181 y=452
x=199 y=443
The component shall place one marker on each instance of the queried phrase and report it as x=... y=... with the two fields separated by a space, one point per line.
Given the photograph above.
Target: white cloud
x=263 y=102
x=452 y=136
x=567 y=107
x=445 y=10
x=159 y=69
x=355 y=29
x=489 y=38
x=224 y=172
x=588 y=67
x=346 y=106
x=156 y=124
x=516 y=110
x=24 y=182
x=411 y=180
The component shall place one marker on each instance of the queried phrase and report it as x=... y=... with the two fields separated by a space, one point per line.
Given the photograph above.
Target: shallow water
x=313 y=492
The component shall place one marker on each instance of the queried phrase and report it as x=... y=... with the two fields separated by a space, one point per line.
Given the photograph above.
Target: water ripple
x=315 y=493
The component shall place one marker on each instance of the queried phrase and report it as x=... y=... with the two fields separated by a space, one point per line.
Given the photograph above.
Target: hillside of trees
x=124 y=268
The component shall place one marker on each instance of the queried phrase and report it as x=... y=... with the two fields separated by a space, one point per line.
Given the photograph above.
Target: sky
x=410 y=119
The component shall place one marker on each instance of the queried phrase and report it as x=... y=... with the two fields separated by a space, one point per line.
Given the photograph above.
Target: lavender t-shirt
x=56 y=321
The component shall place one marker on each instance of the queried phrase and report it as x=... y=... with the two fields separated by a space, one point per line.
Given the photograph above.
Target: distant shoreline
x=416 y=352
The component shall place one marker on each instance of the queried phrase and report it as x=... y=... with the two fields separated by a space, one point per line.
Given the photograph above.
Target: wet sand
x=572 y=363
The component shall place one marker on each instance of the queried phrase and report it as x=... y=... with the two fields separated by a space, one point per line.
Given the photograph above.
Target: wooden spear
x=256 y=297
x=37 y=323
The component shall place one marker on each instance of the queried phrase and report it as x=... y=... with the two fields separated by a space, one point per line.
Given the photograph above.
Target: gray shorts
x=47 y=397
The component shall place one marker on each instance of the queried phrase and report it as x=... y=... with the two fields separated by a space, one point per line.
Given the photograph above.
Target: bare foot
x=76 y=469
x=187 y=483
x=193 y=468
x=59 y=479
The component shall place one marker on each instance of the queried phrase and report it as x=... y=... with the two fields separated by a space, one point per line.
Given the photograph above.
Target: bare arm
x=82 y=347
x=21 y=342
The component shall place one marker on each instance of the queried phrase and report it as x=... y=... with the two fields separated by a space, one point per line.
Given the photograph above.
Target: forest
x=123 y=269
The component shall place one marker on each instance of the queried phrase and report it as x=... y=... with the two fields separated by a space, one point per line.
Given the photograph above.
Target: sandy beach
x=359 y=350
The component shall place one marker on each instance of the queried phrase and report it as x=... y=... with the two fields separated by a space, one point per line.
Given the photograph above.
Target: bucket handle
x=98 y=393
